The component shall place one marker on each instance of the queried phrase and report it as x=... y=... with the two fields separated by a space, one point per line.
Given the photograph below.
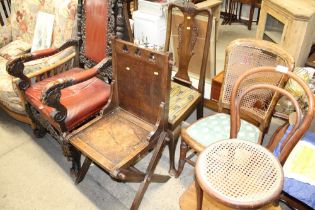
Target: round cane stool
x=239 y=174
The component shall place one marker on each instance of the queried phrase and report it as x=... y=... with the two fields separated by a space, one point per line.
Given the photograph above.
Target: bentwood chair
x=244 y=175
x=61 y=101
x=185 y=98
x=240 y=56
x=134 y=120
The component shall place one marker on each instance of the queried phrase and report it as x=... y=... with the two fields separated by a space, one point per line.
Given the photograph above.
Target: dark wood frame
x=188 y=33
x=118 y=25
x=124 y=170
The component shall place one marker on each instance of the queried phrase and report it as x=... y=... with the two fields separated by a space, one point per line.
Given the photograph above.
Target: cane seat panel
x=240 y=173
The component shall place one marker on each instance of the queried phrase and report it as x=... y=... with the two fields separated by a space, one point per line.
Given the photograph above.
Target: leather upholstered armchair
x=60 y=102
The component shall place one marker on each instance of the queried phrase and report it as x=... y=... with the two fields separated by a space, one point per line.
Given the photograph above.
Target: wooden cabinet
x=291 y=24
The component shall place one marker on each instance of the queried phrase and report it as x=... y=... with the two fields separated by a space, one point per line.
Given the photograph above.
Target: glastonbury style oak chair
x=184 y=97
x=240 y=56
x=245 y=175
x=60 y=101
x=134 y=120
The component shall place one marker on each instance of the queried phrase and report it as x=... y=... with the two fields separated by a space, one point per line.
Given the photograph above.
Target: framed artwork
x=43 y=31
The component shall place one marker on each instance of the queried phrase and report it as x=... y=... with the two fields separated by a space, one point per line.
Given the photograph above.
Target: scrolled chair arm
x=15 y=67
x=51 y=93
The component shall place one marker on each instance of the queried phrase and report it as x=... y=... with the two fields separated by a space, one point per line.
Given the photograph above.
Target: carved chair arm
x=51 y=94
x=15 y=67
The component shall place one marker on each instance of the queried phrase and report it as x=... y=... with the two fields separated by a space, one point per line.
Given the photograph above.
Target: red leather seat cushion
x=81 y=100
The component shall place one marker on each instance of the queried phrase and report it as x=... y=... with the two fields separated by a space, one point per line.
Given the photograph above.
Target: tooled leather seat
x=81 y=100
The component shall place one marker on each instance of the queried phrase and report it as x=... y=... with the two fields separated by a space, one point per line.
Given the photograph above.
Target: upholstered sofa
x=16 y=39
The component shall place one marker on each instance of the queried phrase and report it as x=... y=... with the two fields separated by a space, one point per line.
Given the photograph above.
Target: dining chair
x=257 y=109
x=242 y=174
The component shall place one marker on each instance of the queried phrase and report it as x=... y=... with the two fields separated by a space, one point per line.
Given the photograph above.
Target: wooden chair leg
x=199 y=194
x=76 y=161
x=251 y=14
x=150 y=170
x=240 y=11
x=200 y=110
x=174 y=136
x=182 y=158
x=258 y=14
x=84 y=169
x=38 y=130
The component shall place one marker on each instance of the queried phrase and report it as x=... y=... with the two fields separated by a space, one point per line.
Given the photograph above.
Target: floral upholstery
x=217 y=127
x=24 y=13
x=65 y=11
x=14 y=49
x=181 y=99
x=5 y=30
x=6 y=35
x=21 y=29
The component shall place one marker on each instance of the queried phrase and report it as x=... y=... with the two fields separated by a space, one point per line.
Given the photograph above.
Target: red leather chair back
x=96 y=24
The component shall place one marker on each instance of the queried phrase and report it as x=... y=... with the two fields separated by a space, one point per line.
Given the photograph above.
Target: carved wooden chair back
x=185 y=98
x=135 y=95
x=242 y=55
x=5 y=11
x=188 y=33
x=97 y=21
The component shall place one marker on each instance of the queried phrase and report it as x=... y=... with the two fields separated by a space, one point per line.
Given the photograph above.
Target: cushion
x=217 y=127
x=181 y=99
x=81 y=100
x=8 y=96
x=299 y=169
x=14 y=49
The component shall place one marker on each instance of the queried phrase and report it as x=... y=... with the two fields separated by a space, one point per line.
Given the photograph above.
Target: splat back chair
x=240 y=56
x=134 y=121
x=241 y=174
x=184 y=97
x=60 y=101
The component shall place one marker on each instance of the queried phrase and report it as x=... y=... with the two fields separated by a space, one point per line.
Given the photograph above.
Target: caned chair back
x=142 y=82
x=242 y=55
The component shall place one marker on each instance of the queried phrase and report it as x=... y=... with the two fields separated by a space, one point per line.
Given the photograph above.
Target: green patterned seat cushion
x=181 y=98
x=217 y=127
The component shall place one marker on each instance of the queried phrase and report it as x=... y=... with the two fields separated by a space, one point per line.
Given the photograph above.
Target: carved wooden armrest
x=51 y=94
x=15 y=67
